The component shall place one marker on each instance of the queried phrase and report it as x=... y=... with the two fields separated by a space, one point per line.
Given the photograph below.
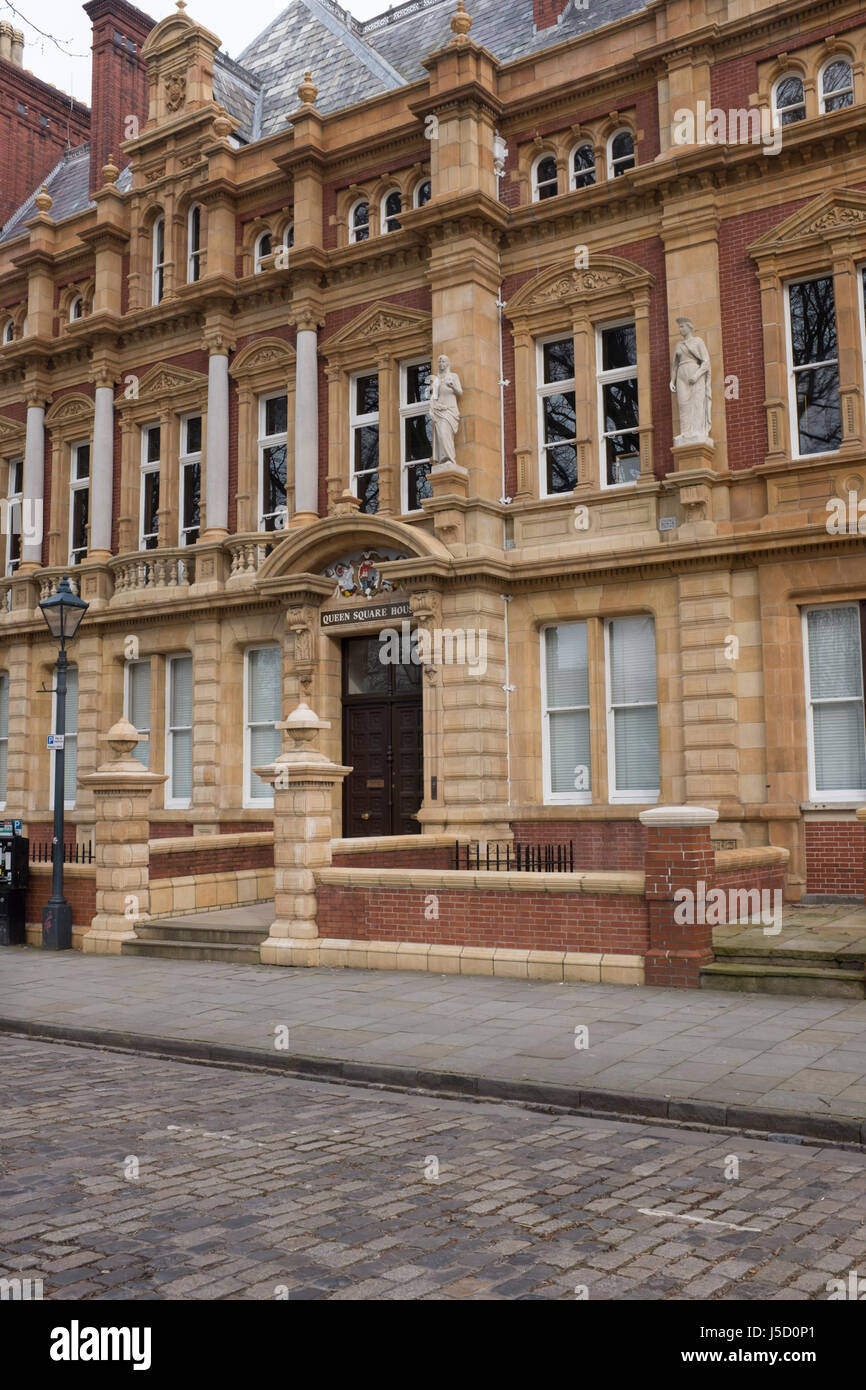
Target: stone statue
x=445 y=391
x=690 y=380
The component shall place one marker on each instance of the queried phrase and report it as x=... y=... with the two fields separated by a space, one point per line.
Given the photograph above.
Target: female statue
x=690 y=380
x=445 y=390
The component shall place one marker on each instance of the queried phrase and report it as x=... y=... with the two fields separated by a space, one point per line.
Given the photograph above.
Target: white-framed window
x=632 y=709
x=582 y=166
x=190 y=479
x=364 y=439
x=813 y=376
x=79 y=501
x=289 y=237
x=619 y=442
x=70 y=742
x=158 y=270
x=15 y=499
x=273 y=445
x=76 y=308
x=836 y=724
x=789 y=99
x=416 y=435
x=565 y=713
x=148 y=524
x=557 y=421
x=422 y=193
x=4 y=735
x=392 y=206
x=9 y=331
x=359 y=221
x=545 y=179
x=262 y=712
x=193 y=244
x=262 y=249
x=178 y=731
x=836 y=85
x=620 y=153
x=136 y=705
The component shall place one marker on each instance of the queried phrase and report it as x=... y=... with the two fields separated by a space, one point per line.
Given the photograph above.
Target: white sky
x=65 y=20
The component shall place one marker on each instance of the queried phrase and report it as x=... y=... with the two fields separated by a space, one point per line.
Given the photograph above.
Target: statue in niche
x=691 y=383
x=445 y=391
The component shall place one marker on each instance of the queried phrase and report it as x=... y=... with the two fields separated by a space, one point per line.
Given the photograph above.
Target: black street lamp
x=62 y=612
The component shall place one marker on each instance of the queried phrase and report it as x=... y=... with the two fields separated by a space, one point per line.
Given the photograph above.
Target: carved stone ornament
x=358 y=575
x=175 y=91
x=692 y=385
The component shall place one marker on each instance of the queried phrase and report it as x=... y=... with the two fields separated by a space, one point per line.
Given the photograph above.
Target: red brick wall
x=119 y=82
x=546 y=12
x=218 y=860
x=597 y=844
x=79 y=892
x=434 y=857
x=520 y=921
x=169 y=830
x=29 y=150
x=835 y=857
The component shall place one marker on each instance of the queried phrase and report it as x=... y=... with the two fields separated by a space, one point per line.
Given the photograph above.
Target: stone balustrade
x=248 y=553
x=153 y=569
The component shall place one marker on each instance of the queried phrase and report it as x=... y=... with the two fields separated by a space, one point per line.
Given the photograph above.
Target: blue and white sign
x=56 y=741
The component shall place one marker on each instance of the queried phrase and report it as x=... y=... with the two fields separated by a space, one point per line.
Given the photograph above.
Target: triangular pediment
x=834 y=213
x=162 y=380
x=263 y=355
x=8 y=427
x=570 y=284
x=381 y=323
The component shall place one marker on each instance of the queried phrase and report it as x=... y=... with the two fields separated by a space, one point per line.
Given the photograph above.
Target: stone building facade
x=216 y=377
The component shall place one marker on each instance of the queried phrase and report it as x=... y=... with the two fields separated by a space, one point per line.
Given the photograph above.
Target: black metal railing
x=72 y=854
x=545 y=859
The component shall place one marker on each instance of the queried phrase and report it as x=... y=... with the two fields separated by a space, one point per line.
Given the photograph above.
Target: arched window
x=359 y=221
x=392 y=206
x=158 y=278
x=545 y=183
x=789 y=100
x=263 y=248
x=289 y=236
x=9 y=331
x=620 y=153
x=76 y=309
x=423 y=193
x=583 y=167
x=836 y=85
x=194 y=252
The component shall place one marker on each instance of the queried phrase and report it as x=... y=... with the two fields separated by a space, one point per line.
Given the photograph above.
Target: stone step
x=785 y=976
x=217 y=936
x=849 y=957
x=171 y=948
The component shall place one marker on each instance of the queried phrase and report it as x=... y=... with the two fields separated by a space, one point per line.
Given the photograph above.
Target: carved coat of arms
x=175 y=91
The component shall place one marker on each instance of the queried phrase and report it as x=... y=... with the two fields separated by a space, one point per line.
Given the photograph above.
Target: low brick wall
x=79 y=889
x=543 y=912
x=395 y=852
x=835 y=856
x=201 y=873
x=597 y=843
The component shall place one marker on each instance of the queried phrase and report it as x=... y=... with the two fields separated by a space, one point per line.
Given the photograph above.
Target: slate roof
x=69 y=186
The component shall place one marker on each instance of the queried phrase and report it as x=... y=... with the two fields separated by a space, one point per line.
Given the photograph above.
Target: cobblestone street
x=130 y=1177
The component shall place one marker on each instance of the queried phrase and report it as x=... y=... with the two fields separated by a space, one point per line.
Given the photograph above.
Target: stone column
x=306 y=428
x=102 y=474
x=121 y=792
x=34 y=482
x=304 y=781
x=679 y=856
x=217 y=446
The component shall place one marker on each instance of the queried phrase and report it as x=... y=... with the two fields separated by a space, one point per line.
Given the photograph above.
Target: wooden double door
x=382 y=742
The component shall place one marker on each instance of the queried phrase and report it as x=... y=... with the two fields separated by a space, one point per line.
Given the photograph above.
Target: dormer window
x=789 y=100
x=263 y=248
x=620 y=153
x=359 y=221
x=392 y=206
x=545 y=182
x=194 y=251
x=158 y=277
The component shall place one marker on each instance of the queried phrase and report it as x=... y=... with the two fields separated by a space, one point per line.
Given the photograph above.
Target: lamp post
x=62 y=612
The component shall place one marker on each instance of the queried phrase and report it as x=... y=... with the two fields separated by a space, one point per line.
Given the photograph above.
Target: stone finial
x=308 y=91
x=303 y=724
x=461 y=22
x=181 y=5
x=110 y=171
x=43 y=200
x=121 y=738
x=347 y=503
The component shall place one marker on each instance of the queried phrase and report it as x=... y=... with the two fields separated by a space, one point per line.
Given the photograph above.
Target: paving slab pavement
x=775 y=1063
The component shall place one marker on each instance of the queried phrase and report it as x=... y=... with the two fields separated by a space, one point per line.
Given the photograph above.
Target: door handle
x=365 y=815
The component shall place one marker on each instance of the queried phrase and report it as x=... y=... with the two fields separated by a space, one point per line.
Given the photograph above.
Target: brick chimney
x=546 y=13
x=119 y=90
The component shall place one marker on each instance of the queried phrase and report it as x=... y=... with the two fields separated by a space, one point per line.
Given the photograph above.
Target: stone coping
x=626 y=881
x=69 y=870
x=860 y=813
x=753 y=857
x=177 y=844
x=378 y=844
x=684 y=816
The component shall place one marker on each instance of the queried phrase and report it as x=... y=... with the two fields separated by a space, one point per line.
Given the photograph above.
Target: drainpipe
x=508 y=688
x=500 y=154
